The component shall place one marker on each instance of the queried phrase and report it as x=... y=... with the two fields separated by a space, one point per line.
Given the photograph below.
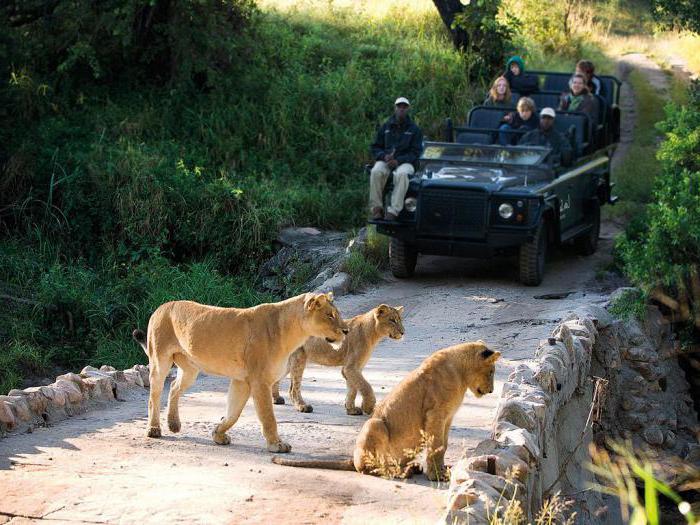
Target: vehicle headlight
x=410 y=204
x=505 y=210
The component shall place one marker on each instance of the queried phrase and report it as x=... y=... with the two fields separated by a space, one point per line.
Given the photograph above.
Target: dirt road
x=98 y=467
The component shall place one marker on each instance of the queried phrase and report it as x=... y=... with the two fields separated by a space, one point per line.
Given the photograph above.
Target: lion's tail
x=140 y=337
x=330 y=464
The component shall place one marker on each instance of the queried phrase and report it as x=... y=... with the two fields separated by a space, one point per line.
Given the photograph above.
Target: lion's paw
x=280 y=447
x=354 y=411
x=153 y=432
x=220 y=439
x=174 y=425
x=279 y=400
x=305 y=408
x=438 y=474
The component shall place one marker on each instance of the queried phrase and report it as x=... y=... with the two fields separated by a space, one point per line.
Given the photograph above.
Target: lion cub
x=422 y=405
x=366 y=330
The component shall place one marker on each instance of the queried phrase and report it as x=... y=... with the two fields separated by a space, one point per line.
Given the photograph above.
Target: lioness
x=366 y=330
x=249 y=345
x=423 y=404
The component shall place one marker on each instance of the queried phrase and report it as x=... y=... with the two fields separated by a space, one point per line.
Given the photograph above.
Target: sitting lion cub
x=419 y=410
x=250 y=346
x=366 y=330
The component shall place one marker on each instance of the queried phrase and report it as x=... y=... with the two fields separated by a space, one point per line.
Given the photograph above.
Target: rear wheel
x=588 y=244
x=532 y=257
x=402 y=258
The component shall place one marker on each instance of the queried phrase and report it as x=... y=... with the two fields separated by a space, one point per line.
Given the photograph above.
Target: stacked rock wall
x=70 y=394
x=594 y=377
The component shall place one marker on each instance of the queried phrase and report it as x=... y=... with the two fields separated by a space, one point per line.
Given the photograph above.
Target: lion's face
x=323 y=319
x=389 y=321
x=483 y=377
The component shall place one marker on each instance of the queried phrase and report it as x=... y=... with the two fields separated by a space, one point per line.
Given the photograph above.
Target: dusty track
x=98 y=468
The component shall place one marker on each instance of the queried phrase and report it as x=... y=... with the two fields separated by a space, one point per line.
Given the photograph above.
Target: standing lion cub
x=418 y=411
x=366 y=330
x=249 y=345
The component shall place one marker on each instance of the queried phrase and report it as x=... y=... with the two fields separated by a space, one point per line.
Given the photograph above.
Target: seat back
x=544 y=99
x=474 y=137
x=486 y=117
x=556 y=81
x=579 y=122
x=608 y=89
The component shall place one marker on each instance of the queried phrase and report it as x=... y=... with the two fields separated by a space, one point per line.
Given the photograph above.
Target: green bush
x=662 y=254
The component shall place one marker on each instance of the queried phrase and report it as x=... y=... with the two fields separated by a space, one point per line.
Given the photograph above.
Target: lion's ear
x=382 y=310
x=312 y=303
x=399 y=309
x=490 y=356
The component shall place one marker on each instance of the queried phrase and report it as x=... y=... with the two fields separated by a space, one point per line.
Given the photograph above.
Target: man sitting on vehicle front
x=396 y=148
x=549 y=137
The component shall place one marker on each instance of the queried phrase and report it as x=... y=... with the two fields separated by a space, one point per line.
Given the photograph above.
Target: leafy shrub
x=662 y=255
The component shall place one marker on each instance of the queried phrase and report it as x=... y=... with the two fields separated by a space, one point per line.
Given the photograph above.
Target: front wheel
x=532 y=257
x=402 y=258
x=588 y=244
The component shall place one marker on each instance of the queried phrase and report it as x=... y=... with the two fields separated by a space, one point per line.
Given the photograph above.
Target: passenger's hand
x=393 y=163
x=388 y=157
x=507 y=118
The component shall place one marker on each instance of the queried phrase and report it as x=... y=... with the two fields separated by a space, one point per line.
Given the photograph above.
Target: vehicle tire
x=532 y=257
x=588 y=244
x=402 y=258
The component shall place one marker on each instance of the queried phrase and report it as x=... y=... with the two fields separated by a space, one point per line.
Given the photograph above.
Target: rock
x=133 y=377
x=519 y=413
x=507 y=465
x=517 y=440
x=632 y=403
x=359 y=243
x=101 y=388
x=117 y=375
x=73 y=378
x=670 y=439
x=20 y=407
x=88 y=369
x=522 y=374
x=462 y=497
x=339 y=284
x=693 y=454
x=107 y=368
x=145 y=374
x=38 y=402
x=59 y=397
x=600 y=316
x=634 y=420
x=641 y=353
x=653 y=435
x=7 y=416
x=649 y=371
x=71 y=390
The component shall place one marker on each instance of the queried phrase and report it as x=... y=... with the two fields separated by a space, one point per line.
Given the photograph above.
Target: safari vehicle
x=472 y=198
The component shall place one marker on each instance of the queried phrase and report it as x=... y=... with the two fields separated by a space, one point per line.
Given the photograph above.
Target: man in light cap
x=549 y=137
x=396 y=149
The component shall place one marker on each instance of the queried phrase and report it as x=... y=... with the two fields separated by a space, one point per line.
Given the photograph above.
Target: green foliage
x=125 y=183
x=361 y=270
x=629 y=305
x=488 y=36
x=664 y=251
x=85 y=315
x=622 y=469
x=677 y=14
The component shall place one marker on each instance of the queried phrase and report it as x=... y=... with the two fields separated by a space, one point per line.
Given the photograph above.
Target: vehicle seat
x=474 y=137
x=568 y=119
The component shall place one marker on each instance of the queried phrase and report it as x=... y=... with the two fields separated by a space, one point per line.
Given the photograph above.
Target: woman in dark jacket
x=579 y=99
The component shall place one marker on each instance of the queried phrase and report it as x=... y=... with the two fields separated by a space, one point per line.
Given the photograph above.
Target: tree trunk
x=448 y=9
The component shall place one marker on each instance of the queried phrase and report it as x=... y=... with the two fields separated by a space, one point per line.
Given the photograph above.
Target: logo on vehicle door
x=563 y=206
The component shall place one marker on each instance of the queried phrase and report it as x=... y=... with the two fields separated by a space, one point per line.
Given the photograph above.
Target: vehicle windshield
x=515 y=155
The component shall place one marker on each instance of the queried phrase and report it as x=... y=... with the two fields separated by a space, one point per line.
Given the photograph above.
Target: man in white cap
x=396 y=149
x=549 y=137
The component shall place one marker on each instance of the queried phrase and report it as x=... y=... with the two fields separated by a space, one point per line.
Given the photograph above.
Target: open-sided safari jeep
x=473 y=198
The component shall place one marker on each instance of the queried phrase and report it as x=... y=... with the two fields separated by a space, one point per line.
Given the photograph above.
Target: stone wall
x=596 y=376
x=70 y=394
